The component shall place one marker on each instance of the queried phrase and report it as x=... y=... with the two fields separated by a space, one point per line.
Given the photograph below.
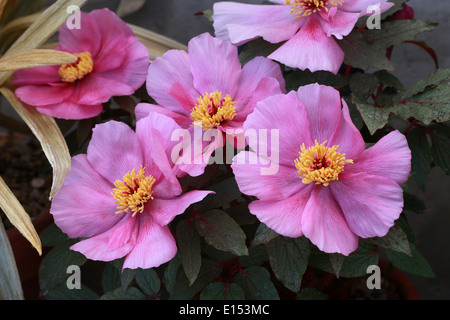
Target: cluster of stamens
x=77 y=70
x=304 y=8
x=211 y=110
x=133 y=192
x=320 y=164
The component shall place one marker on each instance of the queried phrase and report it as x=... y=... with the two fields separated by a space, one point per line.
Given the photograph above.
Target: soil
x=26 y=171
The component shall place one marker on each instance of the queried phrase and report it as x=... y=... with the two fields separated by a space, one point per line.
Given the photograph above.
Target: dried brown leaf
x=35 y=58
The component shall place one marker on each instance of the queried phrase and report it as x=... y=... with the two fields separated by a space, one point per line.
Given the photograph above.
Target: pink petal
x=341 y=24
x=214 y=65
x=70 y=110
x=143 y=110
x=278 y=182
x=241 y=23
x=370 y=203
x=362 y=5
x=95 y=89
x=44 y=95
x=281 y=118
x=390 y=157
x=100 y=247
x=324 y=224
x=83 y=174
x=347 y=136
x=171 y=71
x=114 y=150
x=284 y=215
x=310 y=49
x=125 y=234
x=36 y=76
x=163 y=211
x=155 y=245
x=84 y=212
x=323 y=105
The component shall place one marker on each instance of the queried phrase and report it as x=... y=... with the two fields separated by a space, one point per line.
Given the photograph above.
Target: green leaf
x=298 y=78
x=263 y=235
x=337 y=260
x=130 y=293
x=440 y=146
x=110 y=278
x=148 y=281
x=126 y=277
x=256 y=283
x=222 y=232
x=415 y=264
x=171 y=272
x=183 y=291
x=53 y=268
x=61 y=292
x=288 y=258
x=311 y=294
x=435 y=79
x=363 y=55
x=420 y=156
x=388 y=79
x=398 y=31
x=363 y=83
x=225 y=192
x=374 y=117
x=52 y=236
x=188 y=241
x=256 y=257
x=395 y=239
x=396 y=7
x=413 y=203
x=222 y=291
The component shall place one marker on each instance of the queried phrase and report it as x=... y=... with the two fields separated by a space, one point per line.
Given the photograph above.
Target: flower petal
x=44 y=95
x=324 y=224
x=390 y=157
x=114 y=150
x=36 y=76
x=71 y=110
x=143 y=110
x=83 y=174
x=214 y=65
x=341 y=24
x=370 y=203
x=241 y=23
x=155 y=245
x=311 y=49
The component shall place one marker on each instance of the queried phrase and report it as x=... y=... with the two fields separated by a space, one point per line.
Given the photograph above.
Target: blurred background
x=176 y=19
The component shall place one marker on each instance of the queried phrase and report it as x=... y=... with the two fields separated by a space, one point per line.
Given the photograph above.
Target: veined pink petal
x=341 y=24
x=283 y=215
x=257 y=176
x=214 y=65
x=71 y=110
x=390 y=157
x=163 y=211
x=114 y=150
x=311 y=49
x=36 y=76
x=241 y=23
x=155 y=245
x=362 y=5
x=83 y=174
x=323 y=105
x=124 y=234
x=95 y=89
x=43 y=95
x=370 y=203
x=170 y=71
x=281 y=119
x=324 y=224
x=80 y=211
x=143 y=110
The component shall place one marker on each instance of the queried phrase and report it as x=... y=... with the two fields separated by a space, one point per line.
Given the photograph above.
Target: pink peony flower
x=328 y=187
x=123 y=193
x=307 y=25
x=111 y=62
x=207 y=89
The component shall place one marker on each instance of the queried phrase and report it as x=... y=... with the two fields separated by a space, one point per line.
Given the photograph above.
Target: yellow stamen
x=320 y=164
x=133 y=192
x=211 y=110
x=304 y=8
x=77 y=70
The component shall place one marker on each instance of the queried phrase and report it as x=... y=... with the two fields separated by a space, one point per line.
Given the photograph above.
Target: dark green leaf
x=363 y=83
x=130 y=293
x=222 y=291
x=337 y=260
x=257 y=284
x=256 y=257
x=362 y=55
x=439 y=77
x=255 y=48
x=148 y=281
x=171 y=272
x=298 y=78
x=311 y=294
x=222 y=232
x=374 y=117
x=263 y=235
x=440 y=146
x=53 y=268
x=388 y=79
x=225 y=192
x=288 y=258
x=188 y=241
x=52 y=236
x=415 y=264
x=61 y=292
x=126 y=277
x=413 y=203
x=110 y=278
x=395 y=239
x=420 y=156
x=396 y=7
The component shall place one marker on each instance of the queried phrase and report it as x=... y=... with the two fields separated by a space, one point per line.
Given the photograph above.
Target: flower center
x=211 y=110
x=304 y=8
x=133 y=192
x=79 y=69
x=320 y=164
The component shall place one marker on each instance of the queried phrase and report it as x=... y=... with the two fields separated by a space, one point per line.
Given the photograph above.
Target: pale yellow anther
x=320 y=164
x=211 y=110
x=304 y=8
x=77 y=70
x=133 y=192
